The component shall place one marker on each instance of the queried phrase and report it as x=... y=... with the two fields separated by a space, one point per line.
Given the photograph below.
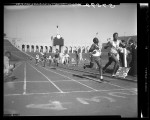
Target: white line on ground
x=44 y=81
x=69 y=92
x=70 y=79
x=47 y=78
x=95 y=79
x=24 y=85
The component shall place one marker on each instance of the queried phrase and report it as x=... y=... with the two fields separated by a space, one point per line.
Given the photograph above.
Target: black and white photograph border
x=75 y=83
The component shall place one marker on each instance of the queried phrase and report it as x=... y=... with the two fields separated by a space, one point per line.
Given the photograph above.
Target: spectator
x=8 y=69
x=133 y=64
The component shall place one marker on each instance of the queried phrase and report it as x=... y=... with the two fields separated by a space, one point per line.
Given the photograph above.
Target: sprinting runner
x=113 y=53
x=77 y=57
x=122 y=54
x=67 y=58
x=95 y=51
x=8 y=69
x=44 y=59
x=49 y=60
x=36 y=59
x=56 y=60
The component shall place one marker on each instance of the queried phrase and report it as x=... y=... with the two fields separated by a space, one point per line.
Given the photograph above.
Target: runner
x=56 y=60
x=77 y=58
x=49 y=60
x=122 y=54
x=8 y=69
x=36 y=59
x=113 y=53
x=95 y=51
x=44 y=59
x=67 y=58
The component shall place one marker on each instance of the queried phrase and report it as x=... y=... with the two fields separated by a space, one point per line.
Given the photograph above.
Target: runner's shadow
x=53 y=68
x=95 y=76
x=92 y=76
x=79 y=76
x=109 y=70
x=10 y=79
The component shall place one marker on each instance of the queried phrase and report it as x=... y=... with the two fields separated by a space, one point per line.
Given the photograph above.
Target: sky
x=77 y=24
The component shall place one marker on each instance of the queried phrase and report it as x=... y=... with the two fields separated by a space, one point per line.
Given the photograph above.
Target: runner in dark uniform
x=56 y=57
x=95 y=51
x=77 y=58
x=44 y=59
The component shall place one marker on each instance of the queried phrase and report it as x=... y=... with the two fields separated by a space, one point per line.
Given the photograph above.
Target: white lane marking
x=67 y=80
x=94 y=99
x=41 y=81
x=82 y=101
x=54 y=105
x=115 y=94
x=71 y=79
x=70 y=92
x=48 y=79
x=24 y=85
x=94 y=79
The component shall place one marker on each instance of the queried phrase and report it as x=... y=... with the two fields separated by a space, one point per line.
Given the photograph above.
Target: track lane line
x=24 y=85
x=69 y=78
x=132 y=89
x=42 y=81
x=47 y=78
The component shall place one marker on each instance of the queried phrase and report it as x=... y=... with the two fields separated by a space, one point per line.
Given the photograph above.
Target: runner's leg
x=99 y=64
x=116 y=66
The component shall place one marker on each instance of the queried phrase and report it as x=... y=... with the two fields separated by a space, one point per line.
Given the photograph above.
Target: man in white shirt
x=113 y=53
x=8 y=69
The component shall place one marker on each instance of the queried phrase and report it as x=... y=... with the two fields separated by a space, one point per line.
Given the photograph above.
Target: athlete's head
x=115 y=36
x=95 y=40
x=8 y=54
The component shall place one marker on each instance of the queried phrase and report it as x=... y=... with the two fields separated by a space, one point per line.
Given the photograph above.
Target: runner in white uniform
x=113 y=53
x=50 y=59
x=36 y=59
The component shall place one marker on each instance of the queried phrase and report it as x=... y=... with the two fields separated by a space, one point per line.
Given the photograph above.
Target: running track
x=44 y=91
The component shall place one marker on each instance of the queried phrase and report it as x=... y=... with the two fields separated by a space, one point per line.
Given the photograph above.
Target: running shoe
x=101 y=78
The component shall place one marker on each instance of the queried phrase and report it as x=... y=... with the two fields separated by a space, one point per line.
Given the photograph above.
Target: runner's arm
x=92 y=48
